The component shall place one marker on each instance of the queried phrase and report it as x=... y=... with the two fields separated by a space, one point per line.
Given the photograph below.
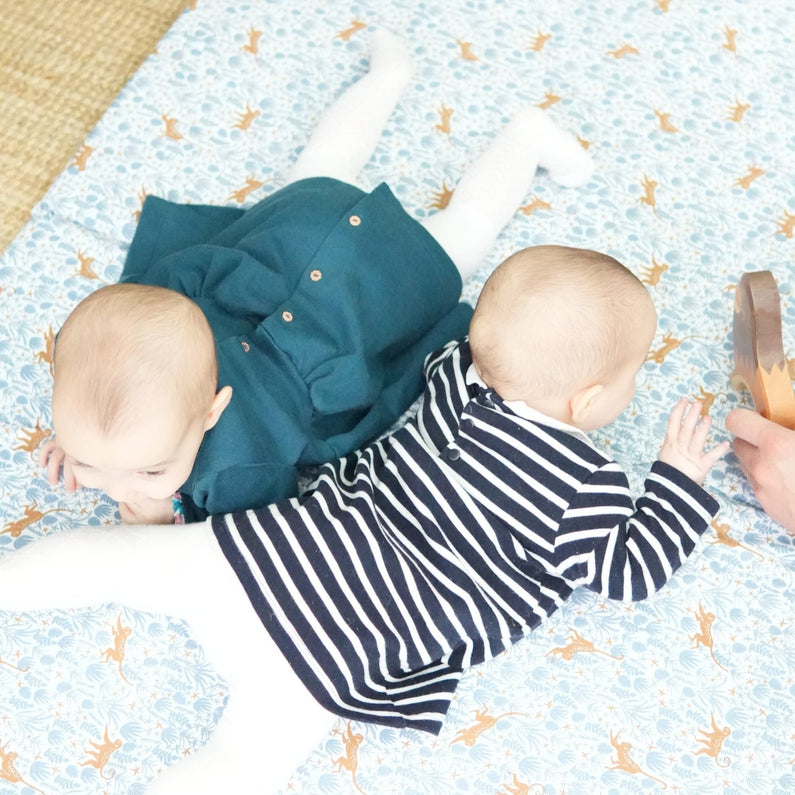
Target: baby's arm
x=628 y=549
x=685 y=439
x=52 y=456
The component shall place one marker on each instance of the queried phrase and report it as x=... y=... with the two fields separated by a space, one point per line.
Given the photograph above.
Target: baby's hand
x=52 y=456
x=685 y=438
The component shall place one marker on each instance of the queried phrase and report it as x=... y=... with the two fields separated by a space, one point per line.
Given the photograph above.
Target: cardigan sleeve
x=627 y=551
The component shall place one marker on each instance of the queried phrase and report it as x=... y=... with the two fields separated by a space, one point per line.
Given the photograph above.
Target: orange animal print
x=252 y=45
x=441 y=198
x=663 y=5
x=81 y=158
x=626 y=763
x=142 y=194
x=100 y=755
x=444 y=114
x=520 y=788
x=171 y=128
x=244 y=120
x=11 y=665
x=356 y=26
x=585 y=144
x=46 y=356
x=707 y=400
x=466 y=50
x=670 y=343
x=85 y=270
x=745 y=181
x=665 y=122
x=9 y=772
x=32 y=515
x=483 y=722
x=241 y=195
x=548 y=101
x=713 y=742
x=535 y=204
x=787 y=226
x=704 y=637
x=31 y=439
x=737 y=111
x=649 y=186
x=723 y=537
x=731 y=39
x=653 y=274
x=117 y=651
x=624 y=49
x=577 y=643
x=350 y=761
x=538 y=41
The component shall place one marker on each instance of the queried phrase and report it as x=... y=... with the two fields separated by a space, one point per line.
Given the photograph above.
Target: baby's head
x=565 y=330
x=135 y=380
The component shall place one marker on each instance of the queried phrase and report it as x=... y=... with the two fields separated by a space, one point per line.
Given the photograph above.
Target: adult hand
x=766 y=452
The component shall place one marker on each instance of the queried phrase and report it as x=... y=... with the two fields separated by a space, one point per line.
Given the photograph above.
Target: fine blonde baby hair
x=551 y=319
x=128 y=343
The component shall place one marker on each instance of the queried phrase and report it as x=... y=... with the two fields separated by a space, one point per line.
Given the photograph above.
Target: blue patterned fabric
x=686 y=108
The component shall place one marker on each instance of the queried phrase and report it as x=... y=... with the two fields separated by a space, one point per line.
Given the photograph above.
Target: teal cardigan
x=324 y=301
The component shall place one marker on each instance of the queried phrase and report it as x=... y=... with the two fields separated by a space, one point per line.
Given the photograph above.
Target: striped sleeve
x=627 y=551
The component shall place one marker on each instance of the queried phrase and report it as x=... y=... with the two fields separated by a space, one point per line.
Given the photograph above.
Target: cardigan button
x=355 y=220
x=287 y=317
x=452 y=454
x=316 y=275
x=245 y=346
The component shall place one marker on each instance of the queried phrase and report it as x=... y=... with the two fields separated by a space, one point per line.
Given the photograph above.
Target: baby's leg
x=270 y=723
x=494 y=186
x=348 y=132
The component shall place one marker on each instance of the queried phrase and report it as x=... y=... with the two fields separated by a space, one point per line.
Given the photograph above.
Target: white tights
x=491 y=189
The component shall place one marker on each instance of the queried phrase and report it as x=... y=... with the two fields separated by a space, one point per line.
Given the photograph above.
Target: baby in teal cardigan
x=241 y=345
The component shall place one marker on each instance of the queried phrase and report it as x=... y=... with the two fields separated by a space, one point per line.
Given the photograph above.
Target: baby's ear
x=220 y=402
x=581 y=402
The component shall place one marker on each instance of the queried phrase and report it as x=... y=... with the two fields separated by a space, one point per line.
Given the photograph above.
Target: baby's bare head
x=551 y=319
x=128 y=349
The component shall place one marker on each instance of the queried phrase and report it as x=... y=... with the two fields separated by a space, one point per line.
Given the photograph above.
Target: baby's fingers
x=711 y=457
x=45 y=450
x=700 y=432
x=683 y=423
x=676 y=417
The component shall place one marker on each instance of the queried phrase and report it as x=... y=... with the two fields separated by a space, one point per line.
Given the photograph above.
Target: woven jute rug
x=62 y=62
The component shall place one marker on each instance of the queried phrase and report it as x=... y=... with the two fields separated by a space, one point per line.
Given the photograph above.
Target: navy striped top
x=440 y=545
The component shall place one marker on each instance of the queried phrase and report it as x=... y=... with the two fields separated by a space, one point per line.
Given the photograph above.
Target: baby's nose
x=118 y=492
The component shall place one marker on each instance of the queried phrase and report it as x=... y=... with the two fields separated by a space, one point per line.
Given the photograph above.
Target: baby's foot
x=389 y=54
x=560 y=153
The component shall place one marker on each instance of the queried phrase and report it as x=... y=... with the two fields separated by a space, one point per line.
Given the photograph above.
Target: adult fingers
x=747 y=424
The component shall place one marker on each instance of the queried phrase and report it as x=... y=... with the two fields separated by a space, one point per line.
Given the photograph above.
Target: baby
x=242 y=345
x=429 y=551
x=437 y=547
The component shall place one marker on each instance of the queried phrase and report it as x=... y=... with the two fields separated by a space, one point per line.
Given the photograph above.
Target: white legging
x=490 y=190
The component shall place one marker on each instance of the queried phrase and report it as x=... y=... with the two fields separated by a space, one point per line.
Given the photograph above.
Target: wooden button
x=355 y=220
x=316 y=275
x=287 y=316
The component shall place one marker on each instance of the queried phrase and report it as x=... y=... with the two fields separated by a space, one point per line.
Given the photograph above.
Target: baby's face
x=147 y=460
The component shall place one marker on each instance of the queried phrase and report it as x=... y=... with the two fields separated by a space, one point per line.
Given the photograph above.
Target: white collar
x=520 y=408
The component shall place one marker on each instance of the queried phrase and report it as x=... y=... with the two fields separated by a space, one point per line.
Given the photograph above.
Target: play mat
x=686 y=108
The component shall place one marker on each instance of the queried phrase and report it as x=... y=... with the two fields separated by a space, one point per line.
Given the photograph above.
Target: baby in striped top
x=437 y=547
